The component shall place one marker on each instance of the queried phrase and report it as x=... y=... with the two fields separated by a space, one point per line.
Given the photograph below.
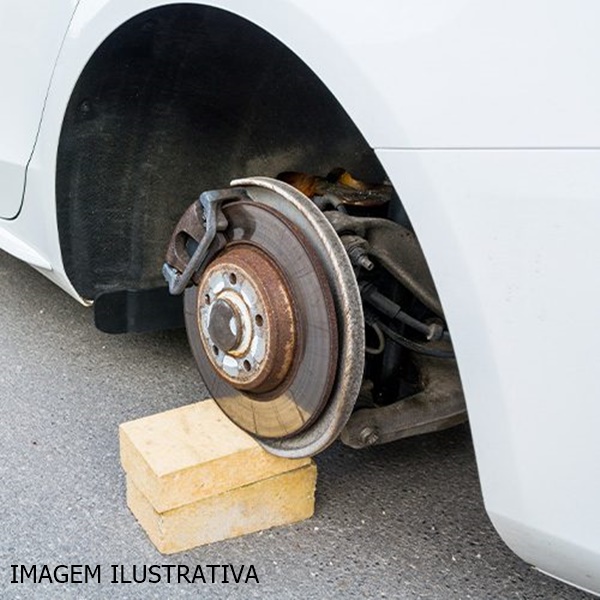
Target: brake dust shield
x=275 y=320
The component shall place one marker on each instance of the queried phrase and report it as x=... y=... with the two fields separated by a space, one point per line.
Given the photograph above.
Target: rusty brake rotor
x=274 y=315
x=261 y=324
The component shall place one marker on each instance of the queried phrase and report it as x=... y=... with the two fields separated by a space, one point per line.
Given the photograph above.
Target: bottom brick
x=278 y=500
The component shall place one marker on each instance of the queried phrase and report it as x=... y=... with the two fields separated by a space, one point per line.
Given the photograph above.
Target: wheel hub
x=246 y=319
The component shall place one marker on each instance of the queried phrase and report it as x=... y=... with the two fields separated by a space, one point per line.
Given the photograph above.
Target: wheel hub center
x=225 y=326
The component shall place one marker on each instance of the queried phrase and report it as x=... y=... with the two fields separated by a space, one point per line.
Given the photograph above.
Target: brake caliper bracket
x=210 y=203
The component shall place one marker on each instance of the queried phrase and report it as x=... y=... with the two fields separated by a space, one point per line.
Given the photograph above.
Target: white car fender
x=511 y=239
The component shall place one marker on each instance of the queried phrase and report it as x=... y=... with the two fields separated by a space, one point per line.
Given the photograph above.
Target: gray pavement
x=399 y=521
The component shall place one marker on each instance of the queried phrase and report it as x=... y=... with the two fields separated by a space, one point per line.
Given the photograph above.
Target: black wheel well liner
x=181 y=99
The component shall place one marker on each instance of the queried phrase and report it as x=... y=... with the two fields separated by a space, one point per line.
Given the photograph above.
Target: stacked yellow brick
x=194 y=478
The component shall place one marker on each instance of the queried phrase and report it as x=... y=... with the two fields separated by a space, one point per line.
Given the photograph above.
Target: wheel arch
x=179 y=99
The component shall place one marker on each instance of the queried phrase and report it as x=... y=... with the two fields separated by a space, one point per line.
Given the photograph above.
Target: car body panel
x=30 y=39
x=486 y=118
x=511 y=239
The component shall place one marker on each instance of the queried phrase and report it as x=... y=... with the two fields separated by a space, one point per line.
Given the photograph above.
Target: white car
x=312 y=310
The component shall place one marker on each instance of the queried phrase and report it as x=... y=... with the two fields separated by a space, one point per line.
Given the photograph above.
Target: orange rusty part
x=339 y=184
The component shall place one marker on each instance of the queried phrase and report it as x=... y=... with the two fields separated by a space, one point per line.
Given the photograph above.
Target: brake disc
x=275 y=321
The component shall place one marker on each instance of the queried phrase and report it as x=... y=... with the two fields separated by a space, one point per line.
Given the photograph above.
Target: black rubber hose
x=390 y=309
x=414 y=346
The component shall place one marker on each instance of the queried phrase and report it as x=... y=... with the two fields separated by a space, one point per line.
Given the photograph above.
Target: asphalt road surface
x=404 y=520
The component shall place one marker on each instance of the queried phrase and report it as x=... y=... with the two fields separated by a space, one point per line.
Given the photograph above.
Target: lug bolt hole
x=232 y=278
x=259 y=320
x=247 y=365
x=207 y=299
x=215 y=350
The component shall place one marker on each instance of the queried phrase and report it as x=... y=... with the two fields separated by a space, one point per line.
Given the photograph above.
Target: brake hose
x=389 y=308
x=410 y=344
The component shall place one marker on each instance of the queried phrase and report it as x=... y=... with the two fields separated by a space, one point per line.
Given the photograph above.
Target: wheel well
x=178 y=100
